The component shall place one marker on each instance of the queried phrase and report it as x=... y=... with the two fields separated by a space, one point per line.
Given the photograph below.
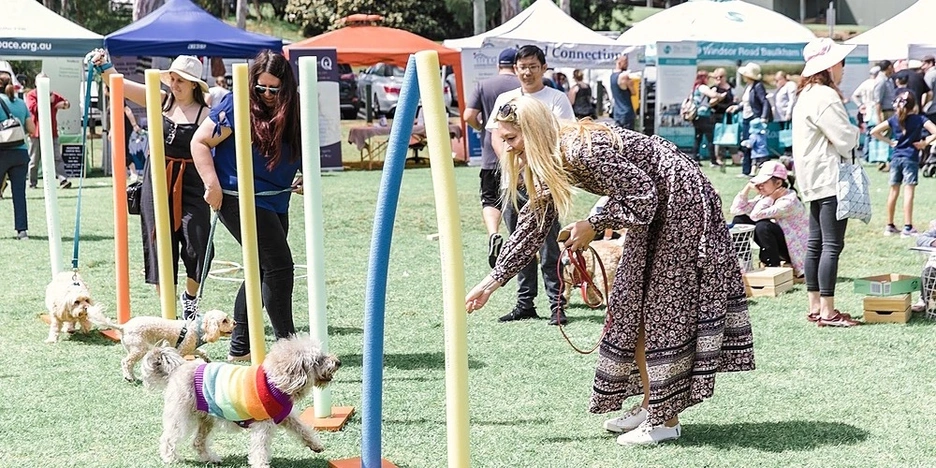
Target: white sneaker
x=646 y=434
x=920 y=306
x=628 y=422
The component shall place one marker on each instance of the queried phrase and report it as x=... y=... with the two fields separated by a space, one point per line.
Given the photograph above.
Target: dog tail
x=159 y=363
x=97 y=317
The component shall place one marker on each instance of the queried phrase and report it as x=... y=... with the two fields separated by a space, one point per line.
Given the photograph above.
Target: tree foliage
x=428 y=18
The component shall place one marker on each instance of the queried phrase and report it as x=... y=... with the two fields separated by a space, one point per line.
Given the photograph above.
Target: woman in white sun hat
x=823 y=137
x=183 y=109
x=753 y=105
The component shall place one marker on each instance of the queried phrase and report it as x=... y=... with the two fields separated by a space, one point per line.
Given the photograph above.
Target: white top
x=863 y=97
x=822 y=138
x=557 y=101
x=784 y=98
x=216 y=93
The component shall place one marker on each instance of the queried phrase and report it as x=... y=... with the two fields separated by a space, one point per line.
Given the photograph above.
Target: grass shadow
x=409 y=361
x=93 y=338
x=86 y=237
x=238 y=460
x=569 y=440
x=775 y=437
x=395 y=379
x=332 y=331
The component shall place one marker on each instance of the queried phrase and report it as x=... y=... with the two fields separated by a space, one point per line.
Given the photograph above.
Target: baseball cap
x=507 y=57
x=875 y=70
x=769 y=169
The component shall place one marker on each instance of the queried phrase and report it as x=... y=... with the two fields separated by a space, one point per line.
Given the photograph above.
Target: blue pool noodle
x=375 y=298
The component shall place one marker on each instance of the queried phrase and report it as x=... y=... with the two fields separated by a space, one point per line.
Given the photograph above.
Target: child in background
x=757 y=141
x=906 y=128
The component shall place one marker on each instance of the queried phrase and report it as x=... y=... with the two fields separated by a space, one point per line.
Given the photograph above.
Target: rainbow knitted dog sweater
x=239 y=393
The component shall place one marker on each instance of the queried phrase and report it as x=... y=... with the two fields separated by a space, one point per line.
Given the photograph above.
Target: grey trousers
x=35 y=160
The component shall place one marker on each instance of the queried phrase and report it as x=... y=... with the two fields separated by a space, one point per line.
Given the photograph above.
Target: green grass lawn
x=819 y=397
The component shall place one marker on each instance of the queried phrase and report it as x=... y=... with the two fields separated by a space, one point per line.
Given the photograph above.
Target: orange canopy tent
x=361 y=44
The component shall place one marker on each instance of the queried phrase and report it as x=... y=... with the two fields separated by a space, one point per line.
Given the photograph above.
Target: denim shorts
x=904 y=170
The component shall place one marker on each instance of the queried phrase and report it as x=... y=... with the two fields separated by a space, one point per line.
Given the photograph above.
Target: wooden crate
x=769 y=282
x=887 y=309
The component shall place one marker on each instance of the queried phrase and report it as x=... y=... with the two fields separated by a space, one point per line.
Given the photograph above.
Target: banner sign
x=676 y=70
x=559 y=55
x=329 y=103
x=753 y=52
x=477 y=65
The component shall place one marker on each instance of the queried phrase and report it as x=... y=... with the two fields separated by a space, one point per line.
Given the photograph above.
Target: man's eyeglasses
x=260 y=89
x=507 y=113
x=528 y=68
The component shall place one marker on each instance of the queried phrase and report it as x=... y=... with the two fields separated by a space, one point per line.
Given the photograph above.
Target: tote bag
x=854 y=193
x=11 y=132
x=727 y=132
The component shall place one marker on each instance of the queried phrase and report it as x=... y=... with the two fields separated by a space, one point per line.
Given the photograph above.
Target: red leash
x=577 y=260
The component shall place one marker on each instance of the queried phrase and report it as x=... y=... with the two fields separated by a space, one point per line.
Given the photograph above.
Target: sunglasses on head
x=261 y=89
x=507 y=113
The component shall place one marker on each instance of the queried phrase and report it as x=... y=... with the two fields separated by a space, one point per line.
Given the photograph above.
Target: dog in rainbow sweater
x=199 y=396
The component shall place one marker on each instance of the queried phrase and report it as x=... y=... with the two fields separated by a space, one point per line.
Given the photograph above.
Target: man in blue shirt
x=622 y=88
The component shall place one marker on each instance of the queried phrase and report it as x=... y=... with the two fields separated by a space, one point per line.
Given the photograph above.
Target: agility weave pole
x=46 y=146
x=450 y=246
x=322 y=415
x=167 y=299
x=375 y=294
x=248 y=213
x=119 y=167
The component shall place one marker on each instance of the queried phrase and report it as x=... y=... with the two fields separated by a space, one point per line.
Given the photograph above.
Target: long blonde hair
x=544 y=174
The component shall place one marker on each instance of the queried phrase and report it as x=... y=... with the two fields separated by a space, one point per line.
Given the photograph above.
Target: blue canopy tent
x=182 y=28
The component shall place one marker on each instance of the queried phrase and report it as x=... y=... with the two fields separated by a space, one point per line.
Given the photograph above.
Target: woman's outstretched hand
x=581 y=233
x=479 y=295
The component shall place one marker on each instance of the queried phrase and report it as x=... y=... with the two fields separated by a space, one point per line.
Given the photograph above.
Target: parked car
x=386 y=81
x=348 y=92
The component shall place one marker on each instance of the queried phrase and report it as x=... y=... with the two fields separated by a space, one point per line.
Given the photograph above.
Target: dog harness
x=239 y=393
x=196 y=324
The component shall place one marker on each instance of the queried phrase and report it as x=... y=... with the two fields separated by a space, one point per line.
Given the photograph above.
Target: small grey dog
x=199 y=395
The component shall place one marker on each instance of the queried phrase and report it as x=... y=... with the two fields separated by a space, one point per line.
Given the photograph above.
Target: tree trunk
x=566 y=6
x=242 y=14
x=509 y=9
x=480 y=17
x=143 y=7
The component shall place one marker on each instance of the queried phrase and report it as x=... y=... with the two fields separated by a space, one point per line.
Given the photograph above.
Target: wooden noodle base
x=110 y=333
x=339 y=417
x=356 y=463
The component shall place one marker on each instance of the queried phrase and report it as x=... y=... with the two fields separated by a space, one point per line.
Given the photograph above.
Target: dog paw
x=51 y=339
x=317 y=447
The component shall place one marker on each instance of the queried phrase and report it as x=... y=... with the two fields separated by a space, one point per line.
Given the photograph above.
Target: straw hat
x=822 y=54
x=751 y=70
x=188 y=67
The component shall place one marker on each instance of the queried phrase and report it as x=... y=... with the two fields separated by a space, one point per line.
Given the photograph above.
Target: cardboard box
x=891 y=309
x=768 y=282
x=887 y=285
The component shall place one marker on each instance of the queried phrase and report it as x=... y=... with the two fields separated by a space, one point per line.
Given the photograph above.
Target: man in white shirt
x=530 y=66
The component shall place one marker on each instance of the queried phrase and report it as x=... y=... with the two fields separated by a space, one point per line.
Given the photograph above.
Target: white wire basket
x=928 y=279
x=741 y=237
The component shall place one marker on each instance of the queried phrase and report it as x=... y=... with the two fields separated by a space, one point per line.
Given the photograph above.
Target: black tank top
x=178 y=137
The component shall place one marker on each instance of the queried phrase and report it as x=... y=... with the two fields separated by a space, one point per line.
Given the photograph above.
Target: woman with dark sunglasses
x=274 y=133
x=677 y=313
x=183 y=108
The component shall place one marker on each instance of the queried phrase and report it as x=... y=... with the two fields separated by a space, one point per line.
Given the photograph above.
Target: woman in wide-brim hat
x=823 y=136
x=183 y=110
x=753 y=104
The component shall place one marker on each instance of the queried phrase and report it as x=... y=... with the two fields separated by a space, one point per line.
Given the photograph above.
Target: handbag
x=11 y=131
x=134 y=197
x=727 y=133
x=785 y=137
x=853 y=193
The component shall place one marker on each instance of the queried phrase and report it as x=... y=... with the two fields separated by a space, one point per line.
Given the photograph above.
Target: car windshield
x=395 y=71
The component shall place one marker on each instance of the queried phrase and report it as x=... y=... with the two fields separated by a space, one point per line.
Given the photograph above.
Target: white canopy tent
x=891 y=39
x=731 y=21
x=567 y=42
x=29 y=29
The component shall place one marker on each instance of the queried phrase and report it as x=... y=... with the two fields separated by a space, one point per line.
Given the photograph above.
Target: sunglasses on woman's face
x=507 y=113
x=261 y=89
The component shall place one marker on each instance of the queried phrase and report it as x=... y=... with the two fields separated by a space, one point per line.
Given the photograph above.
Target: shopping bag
x=854 y=193
x=785 y=137
x=727 y=132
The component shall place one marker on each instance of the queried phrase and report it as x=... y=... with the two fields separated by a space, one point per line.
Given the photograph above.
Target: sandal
x=838 y=320
x=814 y=316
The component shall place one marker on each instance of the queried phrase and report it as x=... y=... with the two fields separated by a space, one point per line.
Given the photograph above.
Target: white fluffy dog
x=140 y=334
x=200 y=395
x=68 y=301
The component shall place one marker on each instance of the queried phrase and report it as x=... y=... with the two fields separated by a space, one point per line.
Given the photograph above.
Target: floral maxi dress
x=679 y=276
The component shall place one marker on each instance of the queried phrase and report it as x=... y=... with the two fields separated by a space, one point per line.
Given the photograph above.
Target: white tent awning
x=567 y=42
x=891 y=39
x=29 y=29
x=731 y=21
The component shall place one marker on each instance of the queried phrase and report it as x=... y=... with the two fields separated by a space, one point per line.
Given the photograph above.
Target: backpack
x=689 y=110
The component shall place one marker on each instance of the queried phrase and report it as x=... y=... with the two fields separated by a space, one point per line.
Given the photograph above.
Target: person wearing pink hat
x=823 y=137
x=781 y=225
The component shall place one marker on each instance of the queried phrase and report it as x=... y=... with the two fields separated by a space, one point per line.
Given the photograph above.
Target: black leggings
x=704 y=128
x=276 y=273
x=768 y=235
x=826 y=241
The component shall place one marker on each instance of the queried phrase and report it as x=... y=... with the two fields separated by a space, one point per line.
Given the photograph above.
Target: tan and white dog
x=69 y=302
x=609 y=252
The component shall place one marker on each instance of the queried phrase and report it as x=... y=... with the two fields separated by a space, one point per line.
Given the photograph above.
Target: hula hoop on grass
x=234 y=267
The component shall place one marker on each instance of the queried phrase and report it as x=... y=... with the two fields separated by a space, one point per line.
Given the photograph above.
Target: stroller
x=928 y=164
